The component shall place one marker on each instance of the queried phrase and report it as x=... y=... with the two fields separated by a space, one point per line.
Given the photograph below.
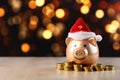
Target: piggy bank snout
x=80 y=54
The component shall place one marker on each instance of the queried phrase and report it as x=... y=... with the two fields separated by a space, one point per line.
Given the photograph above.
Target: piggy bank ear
x=92 y=41
x=67 y=41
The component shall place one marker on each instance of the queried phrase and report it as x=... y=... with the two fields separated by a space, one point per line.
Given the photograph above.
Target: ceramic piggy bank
x=81 y=44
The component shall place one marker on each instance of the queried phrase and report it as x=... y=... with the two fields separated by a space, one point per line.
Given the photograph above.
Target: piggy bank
x=81 y=44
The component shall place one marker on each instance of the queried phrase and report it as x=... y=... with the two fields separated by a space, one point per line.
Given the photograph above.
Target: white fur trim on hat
x=84 y=35
x=98 y=38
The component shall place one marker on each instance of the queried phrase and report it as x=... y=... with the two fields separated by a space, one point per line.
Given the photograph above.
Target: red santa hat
x=81 y=31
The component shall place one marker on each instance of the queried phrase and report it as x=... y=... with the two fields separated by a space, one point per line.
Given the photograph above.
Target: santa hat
x=81 y=31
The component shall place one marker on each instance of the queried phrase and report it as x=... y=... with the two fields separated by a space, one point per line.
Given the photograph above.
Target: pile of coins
x=70 y=66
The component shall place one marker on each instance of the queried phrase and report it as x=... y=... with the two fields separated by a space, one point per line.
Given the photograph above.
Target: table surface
x=44 y=68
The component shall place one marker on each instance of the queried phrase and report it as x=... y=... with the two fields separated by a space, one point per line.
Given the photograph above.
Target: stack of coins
x=60 y=66
x=77 y=67
x=98 y=67
x=68 y=66
x=109 y=68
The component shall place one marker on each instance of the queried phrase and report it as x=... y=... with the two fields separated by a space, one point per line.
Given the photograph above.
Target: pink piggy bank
x=81 y=44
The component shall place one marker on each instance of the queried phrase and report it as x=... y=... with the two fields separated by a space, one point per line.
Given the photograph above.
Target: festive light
x=116 y=46
x=110 y=28
x=25 y=47
x=87 y=3
x=40 y=3
x=51 y=27
x=59 y=29
x=22 y=35
x=34 y=20
x=60 y=13
x=111 y=12
x=32 y=4
x=15 y=4
x=116 y=37
x=115 y=23
x=48 y=11
x=47 y=34
x=99 y=13
x=2 y=12
x=118 y=17
x=78 y=1
x=84 y=9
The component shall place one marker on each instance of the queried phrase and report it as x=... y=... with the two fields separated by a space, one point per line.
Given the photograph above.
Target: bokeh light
x=47 y=34
x=40 y=3
x=2 y=12
x=16 y=5
x=116 y=45
x=99 y=13
x=110 y=28
x=48 y=10
x=25 y=47
x=33 y=22
x=46 y=23
x=115 y=23
x=32 y=4
x=111 y=12
x=84 y=9
x=60 y=13
x=51 y=27
x=116 y=37
x=118 y=17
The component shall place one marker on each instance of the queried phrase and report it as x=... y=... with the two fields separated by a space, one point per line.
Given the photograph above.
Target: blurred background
x=39 y=27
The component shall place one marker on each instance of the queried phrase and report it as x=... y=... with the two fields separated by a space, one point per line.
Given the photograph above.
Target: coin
x=109 y=67
x=88 y=69
x=98 y=67
x=77 y=67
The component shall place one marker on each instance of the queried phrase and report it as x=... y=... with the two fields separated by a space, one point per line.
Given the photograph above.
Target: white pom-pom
x=98 y=38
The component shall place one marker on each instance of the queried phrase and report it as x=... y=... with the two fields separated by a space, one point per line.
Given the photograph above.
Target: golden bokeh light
x=99 y=13
x=48 y=11
x=25 y=47
x=2 y=12
x=51 y=27
x=110 y=28
x=32 y=26
x=32 y=4
x=115 y=23
x=60 y=13
x=46 y=20
x=47 y=34
x=87 y=3
x=84 y=9
x=34 y=18
x=59 y=29
x=111 y=12
x=40 y=3
x=118 y=17
x=116 y=37
x=116 y=46
x=33 y=22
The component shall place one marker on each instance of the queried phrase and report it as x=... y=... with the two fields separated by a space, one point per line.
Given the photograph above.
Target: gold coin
x=98 y=67
x=88 y=69
x=68 y=68
x=109 y=67
x=77 y=67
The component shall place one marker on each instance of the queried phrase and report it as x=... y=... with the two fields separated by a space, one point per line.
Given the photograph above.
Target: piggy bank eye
x=75 y=45
x=84 y=45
